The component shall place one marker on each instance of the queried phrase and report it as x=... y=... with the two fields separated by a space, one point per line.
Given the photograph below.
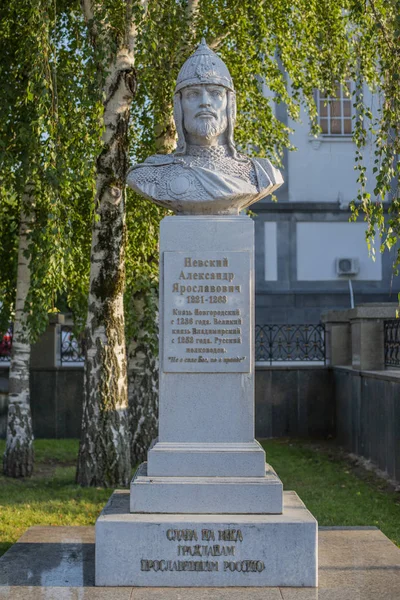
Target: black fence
x=298 y=343
x=274 y=343
x=71 y=349
x=392 y=343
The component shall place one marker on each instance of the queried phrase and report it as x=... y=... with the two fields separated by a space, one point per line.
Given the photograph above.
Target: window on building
x=334 y=113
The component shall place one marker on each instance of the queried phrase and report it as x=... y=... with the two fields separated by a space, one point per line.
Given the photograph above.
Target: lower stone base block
x=192 y=550
x=203 y=495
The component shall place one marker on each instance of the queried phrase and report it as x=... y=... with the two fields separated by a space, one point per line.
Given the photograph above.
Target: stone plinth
x=206 y=350
x=153 y=550
x=228 y=495
x=355 y=563
x=206 y=459
x=367 y=335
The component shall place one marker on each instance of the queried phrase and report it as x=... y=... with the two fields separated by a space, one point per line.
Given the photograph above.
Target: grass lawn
x=50 y=496
x=336 y=492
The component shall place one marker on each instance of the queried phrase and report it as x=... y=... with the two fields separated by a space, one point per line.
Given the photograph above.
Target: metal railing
x=284 y=343
x=71 y=350
x=274 y=343
x=392 y=342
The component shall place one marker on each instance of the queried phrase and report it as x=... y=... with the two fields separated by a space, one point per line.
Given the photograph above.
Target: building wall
x=322 y=169
x=299 y=237
x=295 y=268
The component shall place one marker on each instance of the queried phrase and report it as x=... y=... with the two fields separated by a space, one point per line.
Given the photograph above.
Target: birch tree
x=142 y=280
x=104 y=454
x=42 y=230
x=19 y=455
x=56 y=97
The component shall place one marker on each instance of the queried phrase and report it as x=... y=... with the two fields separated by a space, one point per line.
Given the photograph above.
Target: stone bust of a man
x=205 y=174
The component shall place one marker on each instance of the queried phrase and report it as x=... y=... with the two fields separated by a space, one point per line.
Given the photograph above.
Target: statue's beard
x=207 y=128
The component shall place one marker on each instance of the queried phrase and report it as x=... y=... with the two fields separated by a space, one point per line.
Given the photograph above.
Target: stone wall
x=368 y=415
x=294 y=401
x=289 y=401
x=361 y=407
x=56 y=402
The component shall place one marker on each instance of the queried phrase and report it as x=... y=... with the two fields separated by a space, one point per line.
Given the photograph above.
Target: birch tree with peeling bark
x=19 y=455
x=45 y=191
x=143 y=362
x=104 y=453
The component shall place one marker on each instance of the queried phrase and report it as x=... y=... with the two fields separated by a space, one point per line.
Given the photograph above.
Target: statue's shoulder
x=150 y=177
x=265 y=163
x=264 y=167
x=156 y=160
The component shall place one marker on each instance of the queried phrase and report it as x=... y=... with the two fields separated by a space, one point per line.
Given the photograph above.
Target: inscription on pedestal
x=197 y=550
x=207 y=312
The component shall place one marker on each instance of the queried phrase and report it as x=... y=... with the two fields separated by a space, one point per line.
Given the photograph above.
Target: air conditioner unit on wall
x=346 y=267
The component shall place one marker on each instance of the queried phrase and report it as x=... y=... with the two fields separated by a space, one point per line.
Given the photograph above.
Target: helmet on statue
x=204 y=67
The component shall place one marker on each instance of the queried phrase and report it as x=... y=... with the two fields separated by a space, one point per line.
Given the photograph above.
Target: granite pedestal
x=206 y=509
x=57 y=563
x=192 y=550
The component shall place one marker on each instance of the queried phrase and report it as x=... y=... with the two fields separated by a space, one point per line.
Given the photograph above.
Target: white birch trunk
x=142 y=387
x=143 y=365
x=165 y=133
x=19 y=455
x=104 y=454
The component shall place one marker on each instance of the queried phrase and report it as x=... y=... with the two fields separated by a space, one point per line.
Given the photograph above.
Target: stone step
x=202 y=495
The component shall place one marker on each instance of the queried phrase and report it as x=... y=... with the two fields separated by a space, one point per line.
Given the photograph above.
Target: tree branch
x=192 y=8
x=131 y=24
x=216 y=42
x=87 y=9
x=386 y=35
x=192 y=12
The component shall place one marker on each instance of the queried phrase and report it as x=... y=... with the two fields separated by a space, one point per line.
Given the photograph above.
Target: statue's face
x=204 y=112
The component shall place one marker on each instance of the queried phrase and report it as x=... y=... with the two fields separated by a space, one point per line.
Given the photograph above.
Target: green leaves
x=50 y=135
x=279 y=52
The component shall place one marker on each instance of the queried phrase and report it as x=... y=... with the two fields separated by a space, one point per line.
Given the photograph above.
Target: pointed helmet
x=203 y=67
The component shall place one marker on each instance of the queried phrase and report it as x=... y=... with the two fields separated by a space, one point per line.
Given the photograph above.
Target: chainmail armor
x=214 y=158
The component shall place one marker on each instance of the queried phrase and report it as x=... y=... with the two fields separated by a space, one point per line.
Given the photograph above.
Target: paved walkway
x=57 y=563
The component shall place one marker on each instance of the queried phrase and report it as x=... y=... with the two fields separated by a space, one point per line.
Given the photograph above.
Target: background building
x=300 y=238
